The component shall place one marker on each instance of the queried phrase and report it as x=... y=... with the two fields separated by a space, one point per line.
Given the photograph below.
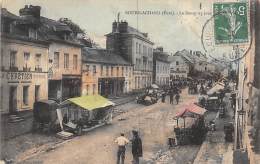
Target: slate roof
x=6 y=14
x=102 y=56
x=47 y=29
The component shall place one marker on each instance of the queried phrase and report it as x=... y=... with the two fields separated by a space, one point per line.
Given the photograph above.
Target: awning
x=216 y=88
x=90 y=102
x=154 y=86
x=191 y=110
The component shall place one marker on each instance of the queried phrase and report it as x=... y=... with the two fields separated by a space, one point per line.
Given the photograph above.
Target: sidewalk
x=215 y=150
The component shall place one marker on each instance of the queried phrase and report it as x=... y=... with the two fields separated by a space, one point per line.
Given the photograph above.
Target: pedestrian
x=137 y=148
x=177 y=97
x=122 y=141
x=163 y=97
x=171 y=97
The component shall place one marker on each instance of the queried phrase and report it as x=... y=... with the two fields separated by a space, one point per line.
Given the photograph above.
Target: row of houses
x=43 y=58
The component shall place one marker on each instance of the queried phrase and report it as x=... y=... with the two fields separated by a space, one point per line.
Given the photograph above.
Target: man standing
x=177 y=97
x=121 y=141
x=137 y=149
x=171 y=96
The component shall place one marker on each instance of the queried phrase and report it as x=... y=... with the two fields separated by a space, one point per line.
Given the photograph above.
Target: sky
x=172 y=31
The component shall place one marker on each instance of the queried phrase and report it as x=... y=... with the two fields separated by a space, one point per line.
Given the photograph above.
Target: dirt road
x=154 y=123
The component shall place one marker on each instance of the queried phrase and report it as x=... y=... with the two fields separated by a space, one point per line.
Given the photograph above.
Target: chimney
x=114 y=26
x=30 y=11
x=123 y=27
x=160 y=49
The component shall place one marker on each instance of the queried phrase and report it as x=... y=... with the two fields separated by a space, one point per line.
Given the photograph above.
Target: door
x=13 y=99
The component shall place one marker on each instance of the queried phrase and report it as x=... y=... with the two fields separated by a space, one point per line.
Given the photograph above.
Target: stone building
x=105 y=73
x=136 y=48
x=161 y=67
x=24 y=62
x=179 y=66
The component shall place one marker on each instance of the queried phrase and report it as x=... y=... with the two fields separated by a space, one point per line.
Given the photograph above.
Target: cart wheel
x=79 y=131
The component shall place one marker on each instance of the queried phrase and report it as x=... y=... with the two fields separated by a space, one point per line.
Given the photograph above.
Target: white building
x=161 y=65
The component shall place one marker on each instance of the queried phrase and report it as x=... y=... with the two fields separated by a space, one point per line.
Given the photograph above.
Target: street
x=154 y=123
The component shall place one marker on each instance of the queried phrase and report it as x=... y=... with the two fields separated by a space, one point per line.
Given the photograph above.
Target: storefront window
x=25 y=95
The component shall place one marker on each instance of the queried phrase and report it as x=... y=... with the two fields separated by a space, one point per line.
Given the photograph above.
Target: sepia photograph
x=130 y=82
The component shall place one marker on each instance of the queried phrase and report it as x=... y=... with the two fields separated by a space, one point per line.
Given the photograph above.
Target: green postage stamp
x=230 y=23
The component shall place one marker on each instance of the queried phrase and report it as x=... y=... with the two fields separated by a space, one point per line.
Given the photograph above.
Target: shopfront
x=21 y=89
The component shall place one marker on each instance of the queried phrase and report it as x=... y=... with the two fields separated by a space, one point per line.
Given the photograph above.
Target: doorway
x=36 y=93
x=13 y=99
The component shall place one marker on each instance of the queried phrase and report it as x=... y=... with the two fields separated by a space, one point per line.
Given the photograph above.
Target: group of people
x=137 y=150
x=173 y=91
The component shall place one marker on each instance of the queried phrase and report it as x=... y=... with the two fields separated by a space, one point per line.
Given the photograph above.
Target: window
x=75 y=61
x=177 y=69
x=87 y=89
x=94 y=69
x=107 y=70
x=112 y=69
x=66 y=61
x=87 y=69
x=32 y=33
x=94 y=88
x=177 y=62
x=136 y=48
x=122 y=71
x=26 y=56
x=56 y=59
x=25 y=95
x=13 y=59
x=117 y=71
x=101 y=70
x=139 y=48
x=37 y=60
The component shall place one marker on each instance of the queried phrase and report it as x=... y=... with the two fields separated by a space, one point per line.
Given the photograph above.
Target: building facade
x=179 y=66
x=24 y=64
x=161 y=67
x=136 y=48
x=105 y=73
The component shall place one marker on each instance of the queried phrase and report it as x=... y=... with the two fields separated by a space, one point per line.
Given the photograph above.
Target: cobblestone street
x=154 y=122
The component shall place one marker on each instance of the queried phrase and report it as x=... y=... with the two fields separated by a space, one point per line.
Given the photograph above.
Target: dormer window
x=32 y=33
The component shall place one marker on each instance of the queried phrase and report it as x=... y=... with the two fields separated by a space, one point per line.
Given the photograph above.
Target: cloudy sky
x=173 y=32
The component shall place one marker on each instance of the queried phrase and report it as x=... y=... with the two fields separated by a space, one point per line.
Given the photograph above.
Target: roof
x=91 y=102
x=191 y=110
x=161 y=56
x=47 y=29
x=6 y=14
x=102 y=56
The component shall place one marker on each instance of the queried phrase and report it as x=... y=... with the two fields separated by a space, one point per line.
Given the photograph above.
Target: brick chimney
x=30 y=11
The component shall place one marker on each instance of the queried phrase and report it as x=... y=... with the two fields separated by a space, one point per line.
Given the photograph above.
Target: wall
x=64 y=48
x=22 y=78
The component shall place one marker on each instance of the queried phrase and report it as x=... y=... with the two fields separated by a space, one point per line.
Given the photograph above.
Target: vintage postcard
x=130 y=81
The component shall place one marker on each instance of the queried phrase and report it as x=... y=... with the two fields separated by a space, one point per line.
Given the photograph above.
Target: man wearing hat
x=137 y=149
x=121 y=141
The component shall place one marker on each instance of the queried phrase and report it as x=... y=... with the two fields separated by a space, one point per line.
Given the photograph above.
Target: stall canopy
x=216 y=88
x=90 y=102
x=191 y=110
x=154 y=86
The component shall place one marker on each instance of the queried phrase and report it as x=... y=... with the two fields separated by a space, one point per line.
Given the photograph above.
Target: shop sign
x=17 y=75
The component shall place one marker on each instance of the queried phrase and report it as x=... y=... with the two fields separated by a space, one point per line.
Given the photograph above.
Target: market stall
x=194 y=134
x=84 y=113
